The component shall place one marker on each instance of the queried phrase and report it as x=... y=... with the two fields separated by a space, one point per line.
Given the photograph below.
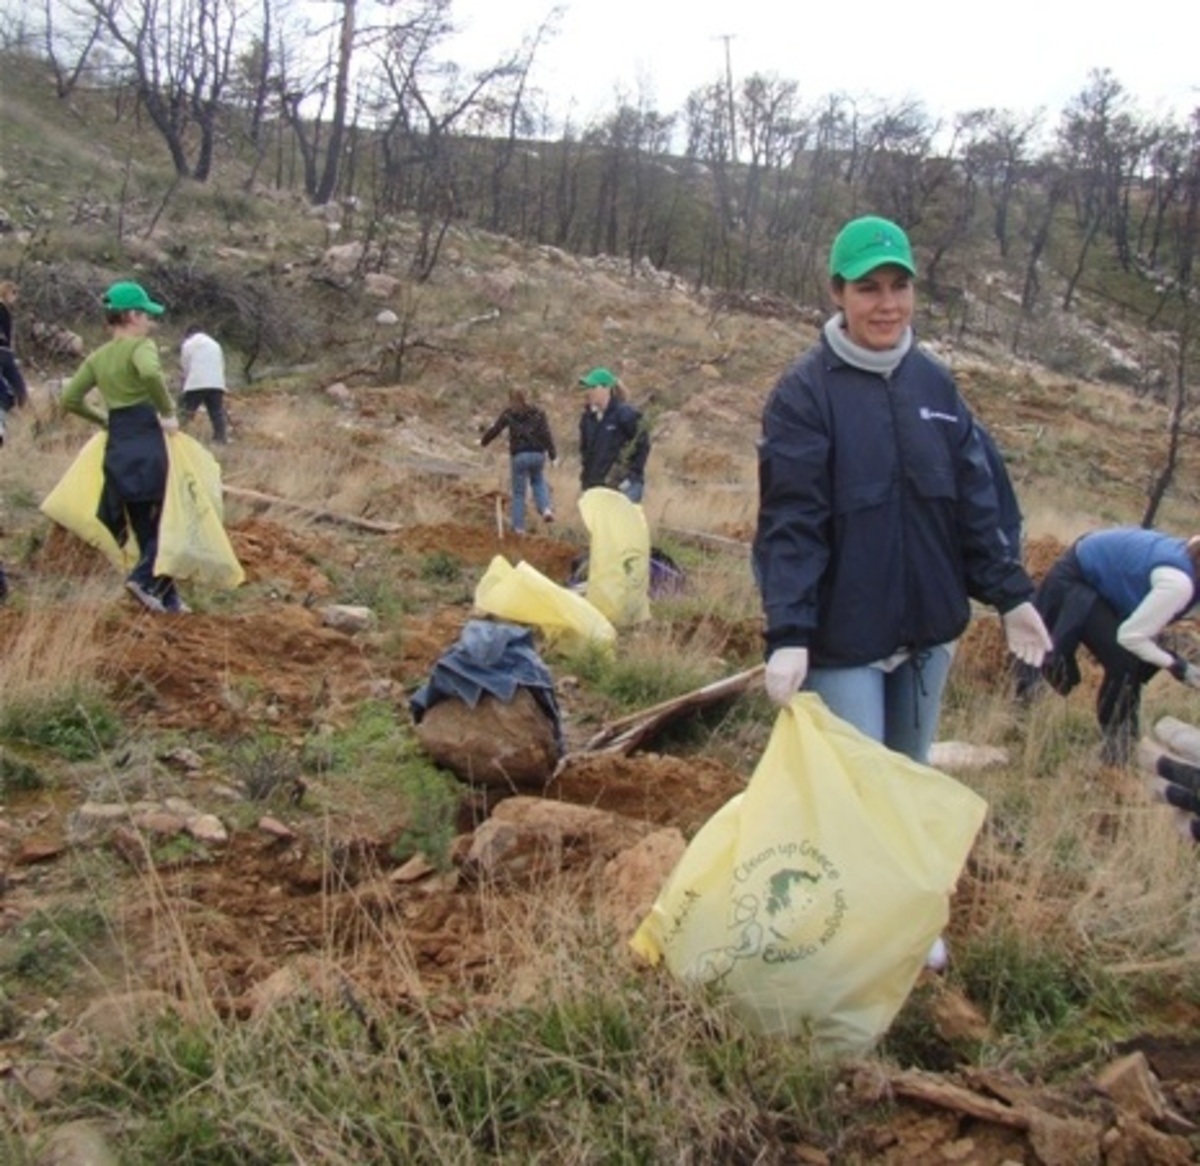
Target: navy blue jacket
x=613 y=446
x=878 y=515
x=1011 y=520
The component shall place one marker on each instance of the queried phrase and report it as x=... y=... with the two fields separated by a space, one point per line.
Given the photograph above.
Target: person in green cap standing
x=879 y=518
x=614 y=441
x=128 y=374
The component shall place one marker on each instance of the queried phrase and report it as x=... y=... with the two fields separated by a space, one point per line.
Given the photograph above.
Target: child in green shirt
x=128 y=374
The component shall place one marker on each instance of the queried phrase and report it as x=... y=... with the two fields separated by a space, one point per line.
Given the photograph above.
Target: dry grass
x=49 y=655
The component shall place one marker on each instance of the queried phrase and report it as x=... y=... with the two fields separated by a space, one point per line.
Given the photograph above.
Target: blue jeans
x=899 y=708
x=528 y=472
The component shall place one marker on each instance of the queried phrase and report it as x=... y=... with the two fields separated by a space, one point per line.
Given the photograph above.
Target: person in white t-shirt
x=203 y=365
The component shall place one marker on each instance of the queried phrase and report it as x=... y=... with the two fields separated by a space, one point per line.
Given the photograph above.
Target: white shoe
x=148 y=601
x=938 y=957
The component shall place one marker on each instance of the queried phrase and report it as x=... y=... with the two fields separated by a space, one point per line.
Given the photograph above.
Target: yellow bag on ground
x=524 y=595
x=618 y=581
x=75 y=499
x=813 y=897
x=192 y=543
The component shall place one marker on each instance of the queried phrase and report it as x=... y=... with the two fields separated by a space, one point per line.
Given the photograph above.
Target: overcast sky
x=1011 y=54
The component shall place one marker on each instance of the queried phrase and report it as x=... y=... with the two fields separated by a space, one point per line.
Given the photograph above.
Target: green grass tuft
x=78 y=725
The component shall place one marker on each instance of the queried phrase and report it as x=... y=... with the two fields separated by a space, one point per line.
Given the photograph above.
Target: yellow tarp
x=813 y=897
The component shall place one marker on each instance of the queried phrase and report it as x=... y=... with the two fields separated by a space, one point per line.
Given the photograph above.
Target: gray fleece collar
x=868 y=359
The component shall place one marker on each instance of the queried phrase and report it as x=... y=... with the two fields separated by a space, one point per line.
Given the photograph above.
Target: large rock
x=529 y=838
x=509 y=746
x=633 y=879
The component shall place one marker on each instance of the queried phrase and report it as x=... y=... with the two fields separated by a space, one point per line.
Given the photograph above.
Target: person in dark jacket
x=1114 y=591
x=13 y=391
x=530 y=443
x=878 y=517
x=614 y=440
x=128 y=375
x=1011 y=520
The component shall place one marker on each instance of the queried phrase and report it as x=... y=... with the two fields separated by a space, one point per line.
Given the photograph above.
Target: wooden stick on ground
x=626 y=733
x=313 y=511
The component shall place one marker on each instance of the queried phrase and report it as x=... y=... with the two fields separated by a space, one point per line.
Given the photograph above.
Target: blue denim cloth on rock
x=492 y=659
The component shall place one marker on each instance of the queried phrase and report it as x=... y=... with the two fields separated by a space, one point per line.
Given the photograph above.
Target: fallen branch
x=426 y=340
x=933 y=1091
x=703 y=538
x=314 y=511
x=625 y=734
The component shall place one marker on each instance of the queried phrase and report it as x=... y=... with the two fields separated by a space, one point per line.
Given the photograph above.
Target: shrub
x=77 y=725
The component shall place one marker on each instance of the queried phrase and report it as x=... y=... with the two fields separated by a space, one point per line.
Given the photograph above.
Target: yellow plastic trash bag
x=524 y=595
x=618 y=581
x=812 y=898
x=73 y=504
x=192 y=543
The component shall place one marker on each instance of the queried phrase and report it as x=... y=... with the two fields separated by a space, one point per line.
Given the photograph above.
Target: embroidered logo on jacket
x=927 y=414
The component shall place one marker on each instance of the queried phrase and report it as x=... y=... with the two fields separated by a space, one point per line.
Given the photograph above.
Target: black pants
x=1076 y=615
x=13 y=390
x=144 y=518
x=1119 y=701
x=214 y=401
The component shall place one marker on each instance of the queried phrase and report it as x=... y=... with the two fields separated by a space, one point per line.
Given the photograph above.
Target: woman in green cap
x=128 y=374
x=614 y=441
x=879 y=518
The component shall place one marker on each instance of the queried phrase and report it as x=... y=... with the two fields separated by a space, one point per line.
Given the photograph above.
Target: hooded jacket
x=878 y=515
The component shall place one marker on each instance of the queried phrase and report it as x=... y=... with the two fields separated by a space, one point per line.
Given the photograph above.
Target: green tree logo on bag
x=775 y=917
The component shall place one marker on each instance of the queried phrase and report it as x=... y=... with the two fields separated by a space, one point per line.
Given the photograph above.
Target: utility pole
x=727 y=37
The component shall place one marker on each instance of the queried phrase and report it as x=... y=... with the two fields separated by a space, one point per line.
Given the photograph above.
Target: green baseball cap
x=867 y=243
x=598 y=378
x=131 y=297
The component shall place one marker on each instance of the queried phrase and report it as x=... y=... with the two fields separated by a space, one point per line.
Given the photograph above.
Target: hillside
x=244 y=919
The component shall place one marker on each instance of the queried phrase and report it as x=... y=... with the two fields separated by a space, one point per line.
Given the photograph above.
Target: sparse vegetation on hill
x=243 y=918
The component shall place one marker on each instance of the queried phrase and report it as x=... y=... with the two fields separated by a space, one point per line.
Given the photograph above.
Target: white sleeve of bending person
x=1170 y=594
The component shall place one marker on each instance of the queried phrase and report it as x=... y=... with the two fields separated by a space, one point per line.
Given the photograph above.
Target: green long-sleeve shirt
x=127 y=371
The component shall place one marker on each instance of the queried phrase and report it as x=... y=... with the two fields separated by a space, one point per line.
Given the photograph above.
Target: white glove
x=785 y=673
x=169 y=424
x=1185 y=672
x=1027 y=637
